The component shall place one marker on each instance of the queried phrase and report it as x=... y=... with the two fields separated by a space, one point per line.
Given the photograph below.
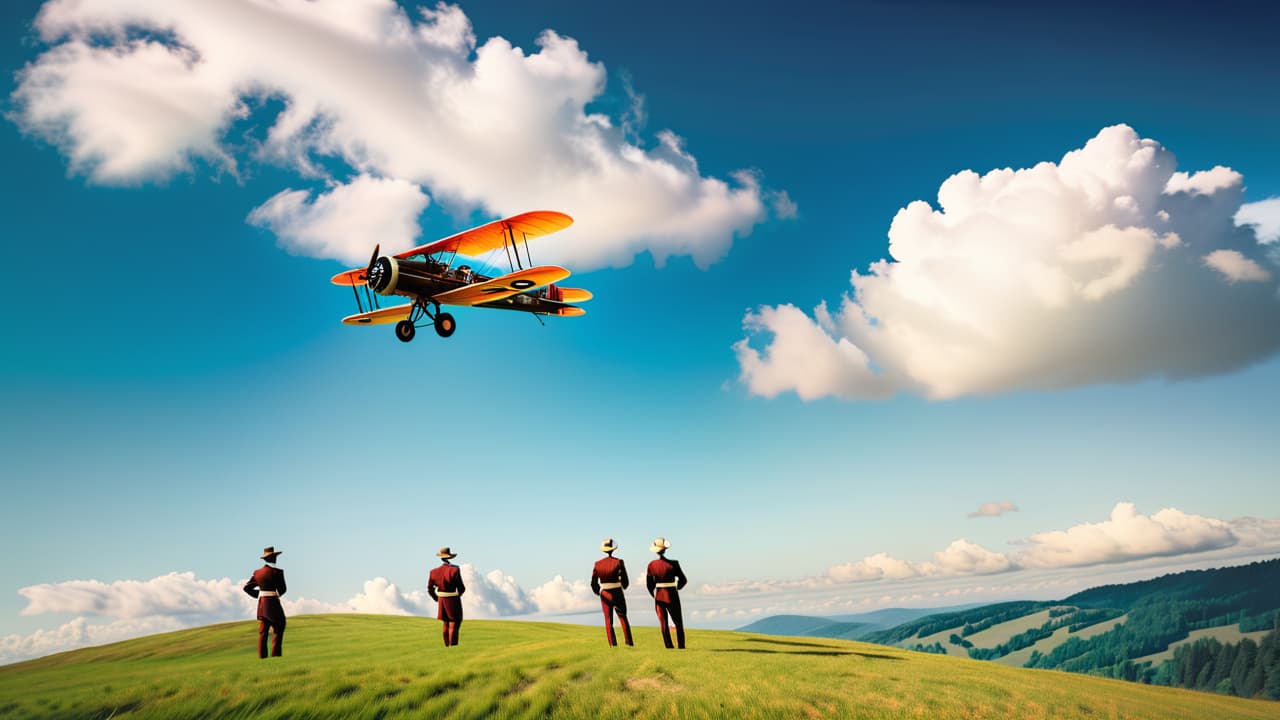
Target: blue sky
x=178 y=392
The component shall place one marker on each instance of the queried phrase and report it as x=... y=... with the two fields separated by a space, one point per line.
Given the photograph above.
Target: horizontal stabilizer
x=574 y=295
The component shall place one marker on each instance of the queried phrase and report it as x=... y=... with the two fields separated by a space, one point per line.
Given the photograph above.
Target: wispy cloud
x=1107 y=266
x=993 y=509
x=140 y=90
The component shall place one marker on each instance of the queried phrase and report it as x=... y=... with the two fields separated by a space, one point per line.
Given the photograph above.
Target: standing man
x=267 y=585
x=608 y=580
x=444 y=585
x=664 y=580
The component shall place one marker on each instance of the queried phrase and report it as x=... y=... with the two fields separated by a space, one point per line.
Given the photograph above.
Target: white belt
x=666 y=585
x=611 y=586
x=268 y=593
x=446 y=593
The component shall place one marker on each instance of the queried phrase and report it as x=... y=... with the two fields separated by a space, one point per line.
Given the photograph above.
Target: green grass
x=366 y=666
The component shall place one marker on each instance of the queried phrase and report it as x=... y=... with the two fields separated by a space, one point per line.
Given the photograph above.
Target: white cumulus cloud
x=138 y=90
x=1263 y=216
x=345 y=222
x=1127 y=535
x=1107 y=266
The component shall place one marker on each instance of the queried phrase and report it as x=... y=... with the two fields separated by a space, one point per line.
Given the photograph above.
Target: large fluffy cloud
x=174 y=601
x=1127 y=535
x=1107 y=266
x=136 y=90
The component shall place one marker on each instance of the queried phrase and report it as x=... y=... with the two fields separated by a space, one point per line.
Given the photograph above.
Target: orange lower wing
x=503 y=287
x=378 y=317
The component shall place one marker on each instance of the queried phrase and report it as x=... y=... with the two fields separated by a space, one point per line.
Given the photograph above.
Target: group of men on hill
x=664 y=579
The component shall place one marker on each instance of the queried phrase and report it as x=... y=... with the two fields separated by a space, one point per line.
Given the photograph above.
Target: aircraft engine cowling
x=384 y=276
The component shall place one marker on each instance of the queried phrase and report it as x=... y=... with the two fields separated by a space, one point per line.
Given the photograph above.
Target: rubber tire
x=405 y=331
x=445 y=324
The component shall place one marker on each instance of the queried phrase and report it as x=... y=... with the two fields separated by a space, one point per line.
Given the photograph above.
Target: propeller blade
x=374 y=258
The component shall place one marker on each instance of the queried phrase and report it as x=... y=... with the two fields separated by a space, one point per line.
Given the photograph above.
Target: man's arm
x=280 y=575
x=461 y=588
x=595 y=581
x=683 y=580
x=622 y=567
x=650 y=581
x=251 y=587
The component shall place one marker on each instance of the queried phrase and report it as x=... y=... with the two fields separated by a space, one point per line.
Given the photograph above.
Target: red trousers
x=278 y=629
x=672 y=610
x=610 y=603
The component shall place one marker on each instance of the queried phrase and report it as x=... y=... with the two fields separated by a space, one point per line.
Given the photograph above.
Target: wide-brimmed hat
x=270 y=552
x=607 y=545
x=659 y=544
x=446 y=553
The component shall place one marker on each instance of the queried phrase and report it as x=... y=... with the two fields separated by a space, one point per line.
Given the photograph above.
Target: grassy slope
x=376 y=666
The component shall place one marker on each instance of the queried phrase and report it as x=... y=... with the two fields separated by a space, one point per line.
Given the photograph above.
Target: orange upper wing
x=350 y=277
x=503 y=287
x=492 y=236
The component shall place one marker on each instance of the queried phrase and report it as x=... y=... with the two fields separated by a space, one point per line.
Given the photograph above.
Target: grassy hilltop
x=365 y=666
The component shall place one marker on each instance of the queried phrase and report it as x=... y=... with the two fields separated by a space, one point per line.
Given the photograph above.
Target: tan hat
x=446 y=553
x=607 y=545
x=659 y=544
x=270 y=552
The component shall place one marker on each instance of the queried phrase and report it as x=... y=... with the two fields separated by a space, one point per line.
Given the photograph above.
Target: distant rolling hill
x=808 y=626
x=366 y=666
x=1133 y=631
x=841 y=627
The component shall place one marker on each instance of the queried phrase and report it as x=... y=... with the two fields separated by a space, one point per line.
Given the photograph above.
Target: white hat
x=659 y=544
x=607 y=545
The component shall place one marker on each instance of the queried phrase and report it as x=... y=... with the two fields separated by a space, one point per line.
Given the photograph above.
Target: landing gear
x=445 y=324
x=443 y=321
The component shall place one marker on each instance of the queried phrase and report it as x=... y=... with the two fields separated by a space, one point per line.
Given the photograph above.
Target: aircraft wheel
x=405 y=330
x=445 y=324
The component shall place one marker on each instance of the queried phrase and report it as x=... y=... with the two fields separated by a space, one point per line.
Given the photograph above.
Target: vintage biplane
x=431 y=275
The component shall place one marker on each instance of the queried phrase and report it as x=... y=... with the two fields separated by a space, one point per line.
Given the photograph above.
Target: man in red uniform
x=608 y=580
x=664 y=580
x=444 y=585
x=267 y=584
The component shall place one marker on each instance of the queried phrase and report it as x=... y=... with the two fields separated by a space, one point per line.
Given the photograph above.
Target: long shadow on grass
x=826 y=649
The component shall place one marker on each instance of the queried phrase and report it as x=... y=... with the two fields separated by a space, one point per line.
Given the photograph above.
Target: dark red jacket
x=663 y=570
x=609 y=570
x=267 y=578
x=447 y=578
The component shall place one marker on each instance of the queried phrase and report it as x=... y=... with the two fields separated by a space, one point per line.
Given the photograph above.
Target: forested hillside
x=1144 y=631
